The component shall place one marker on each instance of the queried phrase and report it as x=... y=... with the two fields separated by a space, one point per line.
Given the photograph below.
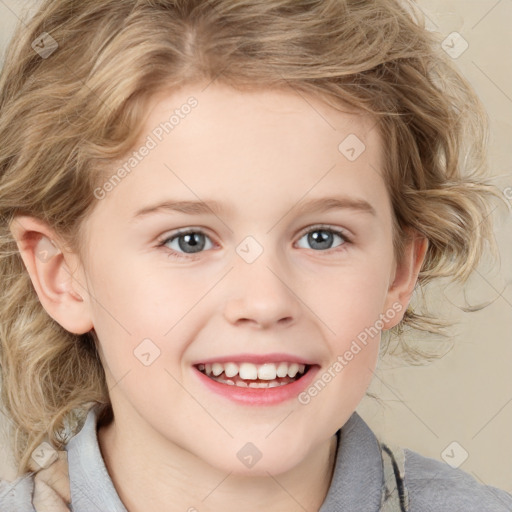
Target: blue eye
x=322 y=238
x=188 y=243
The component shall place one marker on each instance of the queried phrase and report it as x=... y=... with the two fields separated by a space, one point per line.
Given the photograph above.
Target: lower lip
x=259 y=396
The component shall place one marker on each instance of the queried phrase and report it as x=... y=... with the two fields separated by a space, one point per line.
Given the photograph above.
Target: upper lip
x=256 y=359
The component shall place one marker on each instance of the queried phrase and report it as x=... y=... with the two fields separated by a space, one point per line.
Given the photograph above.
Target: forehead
x=248 y=149
x=255 y=111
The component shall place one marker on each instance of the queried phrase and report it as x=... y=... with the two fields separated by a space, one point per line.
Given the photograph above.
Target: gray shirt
x=357 y=482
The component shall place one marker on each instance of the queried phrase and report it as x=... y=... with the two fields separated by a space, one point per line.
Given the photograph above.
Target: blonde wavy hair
x=65 y=118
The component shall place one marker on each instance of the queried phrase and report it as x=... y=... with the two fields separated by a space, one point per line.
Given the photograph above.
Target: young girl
x=210 y=212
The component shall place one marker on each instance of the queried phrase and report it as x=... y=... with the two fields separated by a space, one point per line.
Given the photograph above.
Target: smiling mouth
x=249 y=375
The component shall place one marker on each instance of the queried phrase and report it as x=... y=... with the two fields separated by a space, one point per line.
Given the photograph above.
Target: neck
x=167 y=477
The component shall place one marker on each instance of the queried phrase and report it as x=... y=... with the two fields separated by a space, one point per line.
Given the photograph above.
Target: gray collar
x=91 y=488
x=356 y=483
x=358 y=476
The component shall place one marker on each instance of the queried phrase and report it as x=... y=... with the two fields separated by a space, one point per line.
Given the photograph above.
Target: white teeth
x=248 y=371
x=292 y=370
x=231 y=369
x=217 y=369
x=265 y=384
x=271 y=384
x=267 y=371
x=282 y=370
x=243 y=384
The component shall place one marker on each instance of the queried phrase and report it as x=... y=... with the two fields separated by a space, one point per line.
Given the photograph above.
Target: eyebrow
x=210 y=206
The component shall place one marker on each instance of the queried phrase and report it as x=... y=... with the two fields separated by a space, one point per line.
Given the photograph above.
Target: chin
x=248 y=460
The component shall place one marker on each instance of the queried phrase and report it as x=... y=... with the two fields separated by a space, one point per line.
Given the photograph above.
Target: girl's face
x=285 y=256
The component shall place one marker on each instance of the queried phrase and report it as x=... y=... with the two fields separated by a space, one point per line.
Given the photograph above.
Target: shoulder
x=434 y=485
x=16 y=496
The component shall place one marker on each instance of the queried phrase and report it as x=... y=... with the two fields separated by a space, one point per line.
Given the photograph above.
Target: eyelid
x=328 y=227
x=182 y=231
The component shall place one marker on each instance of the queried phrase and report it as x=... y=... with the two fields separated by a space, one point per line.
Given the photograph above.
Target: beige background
x=466 y=396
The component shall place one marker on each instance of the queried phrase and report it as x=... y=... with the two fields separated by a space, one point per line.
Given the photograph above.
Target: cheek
x=140 y=314
x=350 y=302
x=351 y=309
x=137 y=298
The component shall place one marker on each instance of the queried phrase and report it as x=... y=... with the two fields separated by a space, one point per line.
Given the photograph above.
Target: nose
x=261 y=295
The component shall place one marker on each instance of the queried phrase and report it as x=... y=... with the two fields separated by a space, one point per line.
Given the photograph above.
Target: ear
x=405 y=278
x=52 y=270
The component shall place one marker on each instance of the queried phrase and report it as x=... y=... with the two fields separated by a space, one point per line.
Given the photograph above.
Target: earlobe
x=406 y=277
x=50 y=266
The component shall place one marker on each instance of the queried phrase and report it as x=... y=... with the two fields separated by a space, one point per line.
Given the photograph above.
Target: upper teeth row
x=250 y=371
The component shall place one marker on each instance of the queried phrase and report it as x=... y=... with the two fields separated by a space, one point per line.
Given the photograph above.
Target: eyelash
x=171 y=253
